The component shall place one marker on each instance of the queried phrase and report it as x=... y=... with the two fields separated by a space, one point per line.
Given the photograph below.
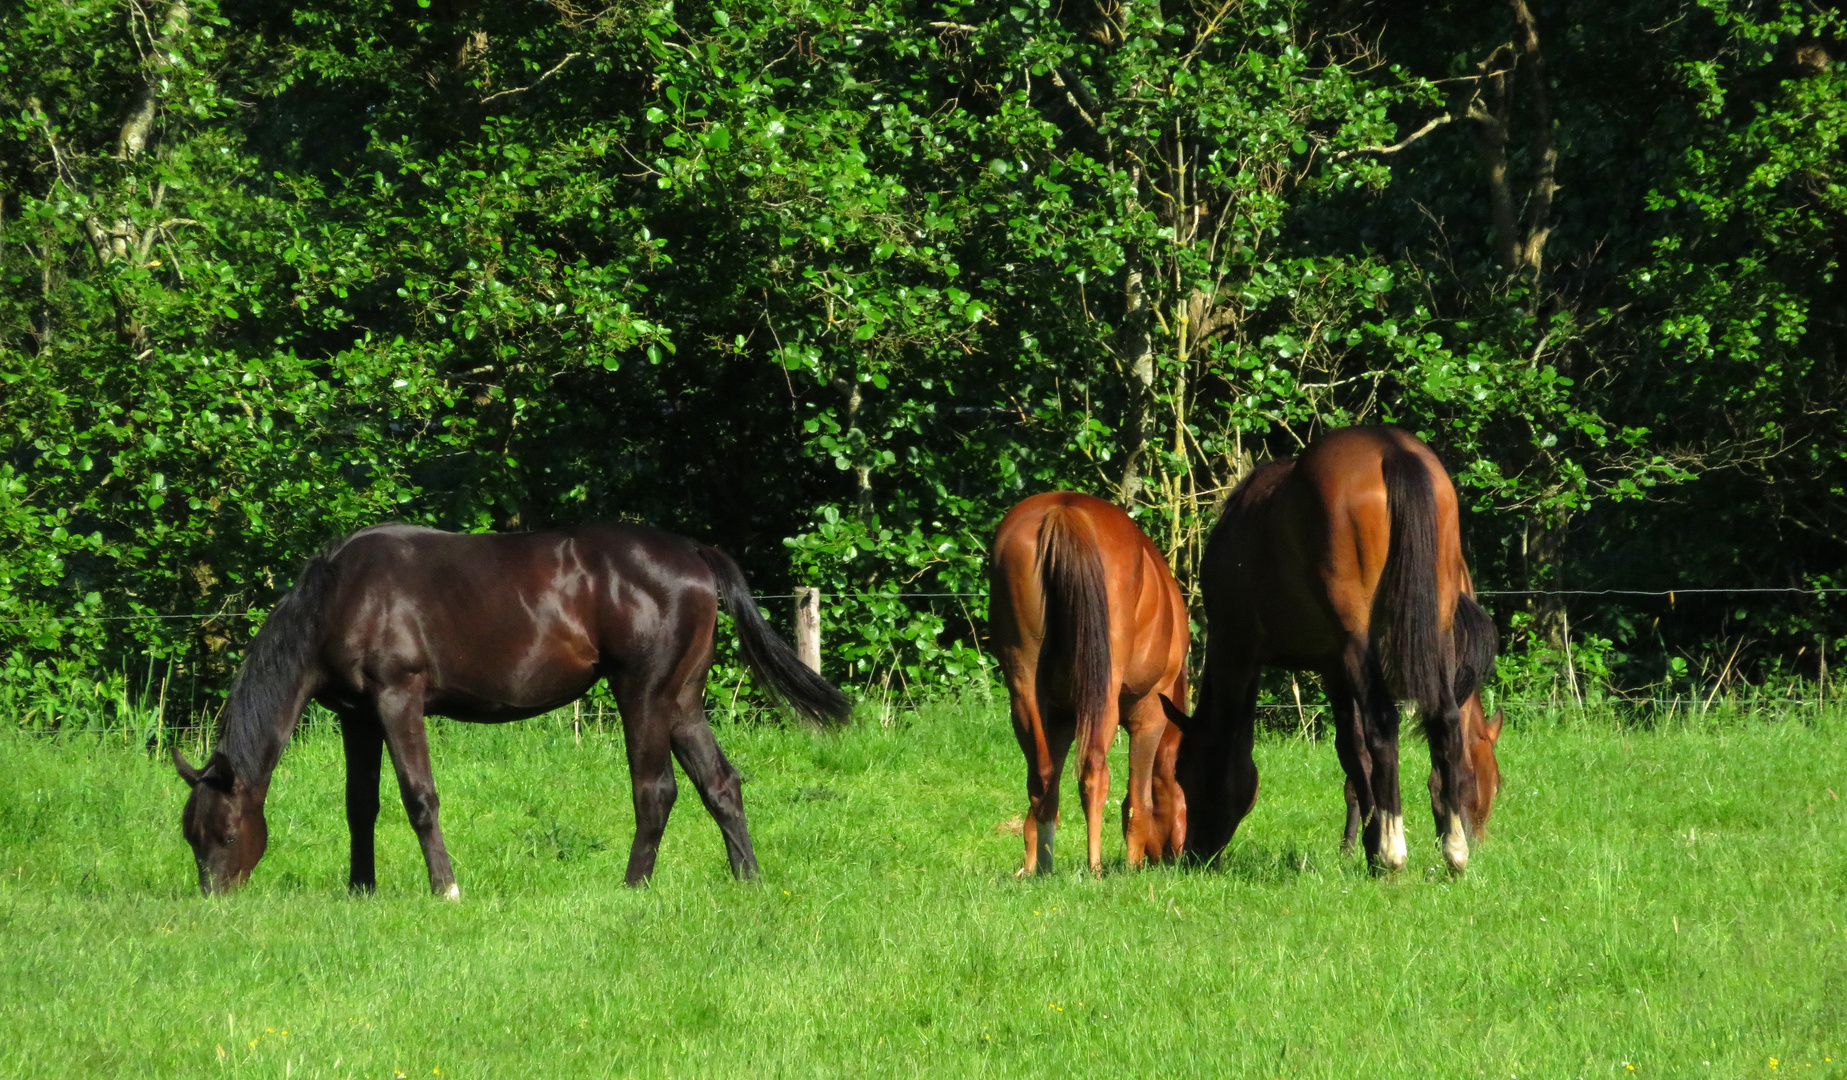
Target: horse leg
x=1093 y=776
x=400 y=714
x=1385 y=843
x=1147 y=727
x=1449 y=775
x=1351 y=834
x=720 y=787
x=1168 y=800
x=647 y=737
x=1045 y=740
x=1349 y=724
x=364 y=740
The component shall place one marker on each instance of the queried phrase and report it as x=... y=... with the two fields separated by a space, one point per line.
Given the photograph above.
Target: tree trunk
x=1542 y=548
x=139 y=125
x=1137 y=352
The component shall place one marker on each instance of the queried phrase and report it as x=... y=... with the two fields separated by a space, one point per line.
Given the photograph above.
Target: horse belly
x=510 y=683
x=471 y=704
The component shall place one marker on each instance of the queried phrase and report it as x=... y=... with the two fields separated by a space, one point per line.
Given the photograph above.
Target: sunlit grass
x=1671 y=902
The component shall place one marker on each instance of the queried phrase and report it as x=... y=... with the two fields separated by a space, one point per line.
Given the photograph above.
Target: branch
x=1058 y=80
x=1205 y=35
x=568 y=57
x=1434 y=124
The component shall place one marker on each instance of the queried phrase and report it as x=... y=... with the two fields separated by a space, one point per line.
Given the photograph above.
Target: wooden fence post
x=808 y=626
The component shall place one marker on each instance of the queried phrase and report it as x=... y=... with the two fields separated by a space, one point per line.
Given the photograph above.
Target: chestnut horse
x=1091 y=632
x=397 y=622
x=1346 y=561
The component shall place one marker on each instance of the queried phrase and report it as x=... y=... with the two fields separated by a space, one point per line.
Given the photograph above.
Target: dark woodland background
x=832 y=285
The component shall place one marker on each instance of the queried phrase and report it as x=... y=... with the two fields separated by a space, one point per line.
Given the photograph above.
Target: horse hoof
x=454 y=892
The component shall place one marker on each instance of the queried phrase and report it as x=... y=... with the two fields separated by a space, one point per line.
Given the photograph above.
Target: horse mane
x=255 y=728
x=1476 y=645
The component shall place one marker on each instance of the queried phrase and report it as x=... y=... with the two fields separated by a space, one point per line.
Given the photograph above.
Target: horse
x=1346 y=561
x=1091 y=633
x=397 y=622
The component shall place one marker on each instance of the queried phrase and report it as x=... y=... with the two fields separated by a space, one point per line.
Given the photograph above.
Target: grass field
x=1651 y=903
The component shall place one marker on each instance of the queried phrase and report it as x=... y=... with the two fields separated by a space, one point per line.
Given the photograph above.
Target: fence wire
x=1669 y=593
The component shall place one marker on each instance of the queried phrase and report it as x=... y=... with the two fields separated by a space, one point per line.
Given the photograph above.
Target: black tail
x=269 y=692
x=1407 y=636
x=1076 y=615
x=770 y=659
x=1476 y=645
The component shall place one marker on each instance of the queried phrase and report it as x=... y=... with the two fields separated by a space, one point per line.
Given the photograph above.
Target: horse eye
x=229 y=839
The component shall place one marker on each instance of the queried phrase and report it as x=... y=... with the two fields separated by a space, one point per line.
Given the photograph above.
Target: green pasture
x=1651 y=903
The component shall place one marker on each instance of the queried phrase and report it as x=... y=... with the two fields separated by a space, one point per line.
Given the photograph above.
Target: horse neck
x=259 y=722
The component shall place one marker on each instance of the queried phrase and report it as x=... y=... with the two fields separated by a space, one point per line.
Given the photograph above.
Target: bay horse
x=1091 y=633
x=397 y=622
x=1346 y=561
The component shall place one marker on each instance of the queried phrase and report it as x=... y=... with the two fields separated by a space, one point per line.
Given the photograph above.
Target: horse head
x=1203 y=768
x=223 y=821
x=1478 y=738
x=1483 y=780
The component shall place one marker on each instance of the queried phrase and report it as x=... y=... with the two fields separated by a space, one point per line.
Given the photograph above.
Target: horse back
x=500 y=626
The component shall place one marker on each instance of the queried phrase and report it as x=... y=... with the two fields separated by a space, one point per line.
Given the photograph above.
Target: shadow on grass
x=1264 y=865
x=1246 y=863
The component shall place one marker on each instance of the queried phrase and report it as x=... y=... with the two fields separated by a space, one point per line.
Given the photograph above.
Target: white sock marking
x=1392 y=853
x=1456 y=844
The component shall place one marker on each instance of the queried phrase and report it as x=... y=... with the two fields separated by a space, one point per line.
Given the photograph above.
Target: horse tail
x=1476 y=645
x=1076 y=612
x=1408 y=638
x=769 y=657
x=279 y=663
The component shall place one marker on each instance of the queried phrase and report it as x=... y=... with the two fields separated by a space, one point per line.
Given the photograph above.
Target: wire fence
x=1669 y=593
x=1307 y=720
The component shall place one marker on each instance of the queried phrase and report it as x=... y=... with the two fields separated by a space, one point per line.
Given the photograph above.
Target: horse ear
x=1174 y=715
x=186 y=771
x=219 y=774
x=1494 y=727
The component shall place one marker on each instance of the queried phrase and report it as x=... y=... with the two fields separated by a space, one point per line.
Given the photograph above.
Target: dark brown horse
x=1091 y=633
x=1346 y=561
x=396 y=622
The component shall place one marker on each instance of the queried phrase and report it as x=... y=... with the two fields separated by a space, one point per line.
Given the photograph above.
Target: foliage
x=833 y=284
